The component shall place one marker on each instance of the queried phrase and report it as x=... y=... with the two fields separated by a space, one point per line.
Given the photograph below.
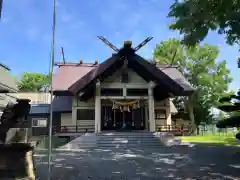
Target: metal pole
x=1 y=5
x=51 y=97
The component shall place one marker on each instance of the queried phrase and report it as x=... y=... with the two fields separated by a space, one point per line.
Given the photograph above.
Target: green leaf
x=32 y=82
x=195 y=18
x=199 y=66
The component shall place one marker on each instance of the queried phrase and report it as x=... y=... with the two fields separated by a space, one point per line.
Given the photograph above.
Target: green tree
x=195 y=18
x=32 y=82
x=231 y=105
x=198 y=64
x=221 y=115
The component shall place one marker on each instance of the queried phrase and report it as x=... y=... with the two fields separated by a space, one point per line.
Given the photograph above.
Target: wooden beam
x=122 y=97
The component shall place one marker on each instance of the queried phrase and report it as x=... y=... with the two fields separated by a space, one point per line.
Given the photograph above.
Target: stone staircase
x=129 y=140
x=106 y=140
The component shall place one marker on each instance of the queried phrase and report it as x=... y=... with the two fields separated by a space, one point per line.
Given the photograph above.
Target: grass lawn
x=229 y=140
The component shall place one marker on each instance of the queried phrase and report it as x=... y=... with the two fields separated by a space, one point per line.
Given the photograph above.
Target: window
x=160 y=114
x=38 y=122
x=137 y=92
x=85 y=114
x=111 y=92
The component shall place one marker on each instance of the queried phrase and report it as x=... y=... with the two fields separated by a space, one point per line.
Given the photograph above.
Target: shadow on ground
x=201 y=162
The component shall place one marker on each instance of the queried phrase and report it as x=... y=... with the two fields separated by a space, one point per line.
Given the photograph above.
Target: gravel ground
x=201 y=162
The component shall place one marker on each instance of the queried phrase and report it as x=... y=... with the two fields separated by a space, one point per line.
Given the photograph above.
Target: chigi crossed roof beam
x=143 y=43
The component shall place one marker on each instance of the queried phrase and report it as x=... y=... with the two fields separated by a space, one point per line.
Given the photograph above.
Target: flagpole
x=51 y=88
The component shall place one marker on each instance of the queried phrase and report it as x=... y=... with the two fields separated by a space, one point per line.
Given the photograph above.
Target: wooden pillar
x=151 y=110
x=146 y=116
x=97 y=109
x=168 y=111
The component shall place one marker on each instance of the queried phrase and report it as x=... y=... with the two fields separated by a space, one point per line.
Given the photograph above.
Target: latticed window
x=137 y=92
x=85 y=114
x=111 y=92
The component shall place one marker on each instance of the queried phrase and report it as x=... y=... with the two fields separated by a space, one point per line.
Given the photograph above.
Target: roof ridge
x=76 y=64
x=5 y=66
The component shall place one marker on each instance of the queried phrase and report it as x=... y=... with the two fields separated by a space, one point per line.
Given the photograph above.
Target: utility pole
x=52 y=59
x=238 y=62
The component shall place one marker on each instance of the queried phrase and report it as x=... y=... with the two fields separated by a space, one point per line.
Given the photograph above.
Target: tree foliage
x=32 y=82
x=198 y=64
x=230 y=104
x=195 y=18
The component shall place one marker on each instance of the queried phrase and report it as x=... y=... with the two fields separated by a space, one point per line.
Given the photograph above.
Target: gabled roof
x=105 y=69
x=176 y=76
x=82 y=78
x=68 y=74
x=175 y=84
x=7 y=82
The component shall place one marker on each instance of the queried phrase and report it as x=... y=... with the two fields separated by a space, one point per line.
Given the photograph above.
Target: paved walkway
x=201 y=162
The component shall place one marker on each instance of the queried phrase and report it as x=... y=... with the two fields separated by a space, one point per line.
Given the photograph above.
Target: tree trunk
x=189 y=107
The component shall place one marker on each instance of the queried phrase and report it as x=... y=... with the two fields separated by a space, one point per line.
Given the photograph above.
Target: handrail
x=73 y=129
x=173 y=128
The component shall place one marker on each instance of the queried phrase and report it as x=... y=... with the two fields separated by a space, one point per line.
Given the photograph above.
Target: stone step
x=131 y=142
x=129 y=139
x=129 y=135
x=111 y=146
x=118 y=140
x=122 y=136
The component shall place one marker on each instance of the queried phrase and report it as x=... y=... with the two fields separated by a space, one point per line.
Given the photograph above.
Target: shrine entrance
x=122 y=119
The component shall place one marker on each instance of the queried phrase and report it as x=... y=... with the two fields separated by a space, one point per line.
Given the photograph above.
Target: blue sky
x=25 y=31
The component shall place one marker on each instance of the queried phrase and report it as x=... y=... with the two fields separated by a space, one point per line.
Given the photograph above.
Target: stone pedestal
x=16 y=162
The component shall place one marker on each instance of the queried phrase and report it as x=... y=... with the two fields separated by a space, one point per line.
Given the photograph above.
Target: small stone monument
x=16 y=151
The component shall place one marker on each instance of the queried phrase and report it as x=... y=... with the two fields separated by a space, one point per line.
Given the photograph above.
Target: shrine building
x=123 y=93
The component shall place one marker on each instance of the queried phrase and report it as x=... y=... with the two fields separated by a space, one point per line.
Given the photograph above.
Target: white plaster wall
x=66 y=119
x=114 y=81
x=165 y=105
